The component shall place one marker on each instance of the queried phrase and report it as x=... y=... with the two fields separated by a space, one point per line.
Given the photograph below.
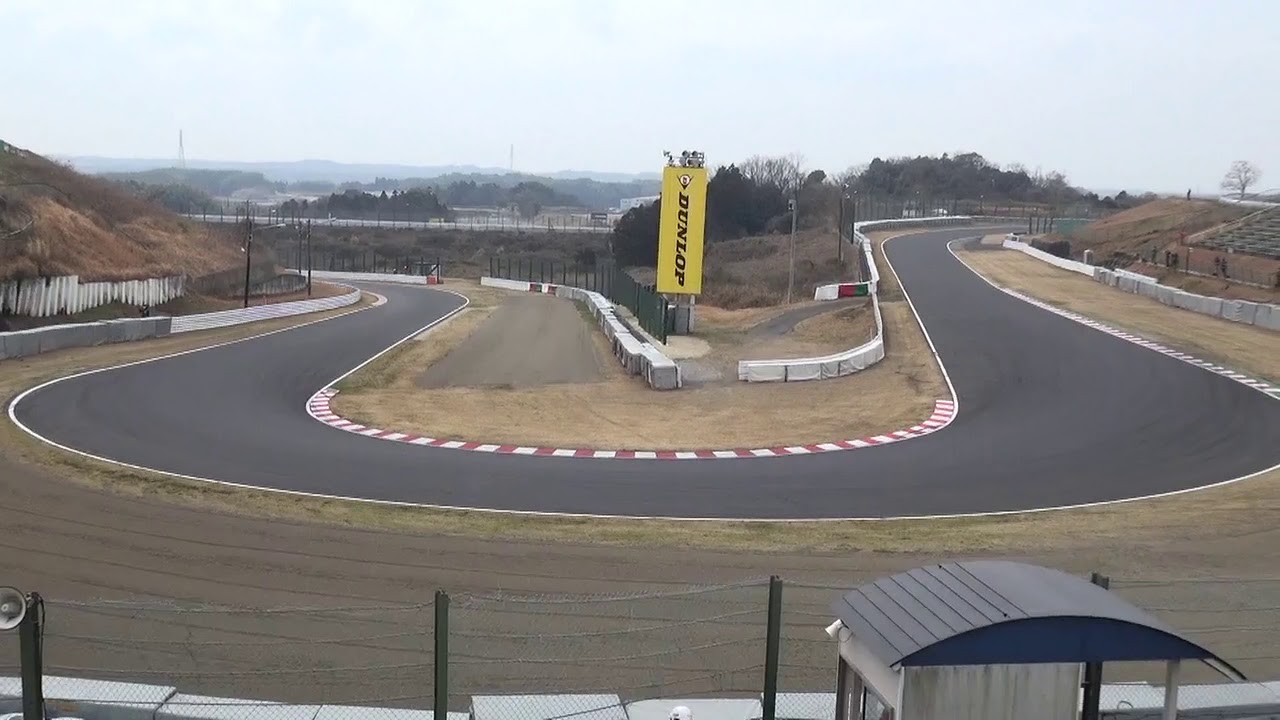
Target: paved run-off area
x=530 y=340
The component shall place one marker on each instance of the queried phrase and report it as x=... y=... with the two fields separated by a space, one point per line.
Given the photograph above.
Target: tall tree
x=1242 y=176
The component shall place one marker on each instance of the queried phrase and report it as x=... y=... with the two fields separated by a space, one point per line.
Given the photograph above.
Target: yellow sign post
x=681 y=226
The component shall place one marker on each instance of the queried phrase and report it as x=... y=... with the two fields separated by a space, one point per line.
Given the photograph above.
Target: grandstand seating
x=1259 y=234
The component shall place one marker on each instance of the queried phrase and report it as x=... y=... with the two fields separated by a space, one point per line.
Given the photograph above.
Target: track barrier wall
x=225 y=318
x=25 y=343
x=431 y=279
x=854 y=359
x=637 y=356
x=1263 y=315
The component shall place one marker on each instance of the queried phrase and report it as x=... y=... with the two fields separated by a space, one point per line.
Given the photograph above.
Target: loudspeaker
x=13 y=608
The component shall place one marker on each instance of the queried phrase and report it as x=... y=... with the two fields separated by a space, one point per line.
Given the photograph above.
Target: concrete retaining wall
x=637 y=356
x=1261 y=315
x=224 y=318
x=66 y=295
x=855 y=359
x=24 y=343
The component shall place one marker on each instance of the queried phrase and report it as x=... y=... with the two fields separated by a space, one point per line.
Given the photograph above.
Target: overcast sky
x=1161 y=94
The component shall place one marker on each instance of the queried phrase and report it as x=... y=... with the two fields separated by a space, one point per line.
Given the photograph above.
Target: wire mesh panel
x=354 y=655
x=807 y=655
x=602 y=650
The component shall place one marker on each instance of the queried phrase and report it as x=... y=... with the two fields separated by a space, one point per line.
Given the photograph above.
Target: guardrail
x=636 y=355
x=854 y=359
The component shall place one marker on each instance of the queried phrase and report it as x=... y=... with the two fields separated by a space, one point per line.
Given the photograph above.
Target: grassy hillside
x=55 y=221
x=1132 y=233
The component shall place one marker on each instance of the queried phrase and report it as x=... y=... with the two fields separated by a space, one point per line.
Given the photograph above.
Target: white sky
x=1159 y=94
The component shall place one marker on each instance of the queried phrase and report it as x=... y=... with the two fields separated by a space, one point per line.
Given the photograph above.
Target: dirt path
x=528 y=341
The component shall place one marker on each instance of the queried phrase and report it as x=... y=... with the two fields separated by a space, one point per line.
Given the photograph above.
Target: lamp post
x=248 y=251
x=791 y=263
x=844 y=195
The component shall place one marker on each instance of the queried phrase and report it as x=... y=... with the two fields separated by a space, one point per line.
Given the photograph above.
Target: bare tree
x=1242 y=176
x=785 y=173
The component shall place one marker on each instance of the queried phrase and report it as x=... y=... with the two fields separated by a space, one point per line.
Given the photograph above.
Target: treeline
x=751 y=198
x=513 y=189
x=415 y=204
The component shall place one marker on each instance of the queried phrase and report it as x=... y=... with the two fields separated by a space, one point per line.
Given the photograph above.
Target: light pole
x=248 y=251
x=791 y=264
x=844 y=195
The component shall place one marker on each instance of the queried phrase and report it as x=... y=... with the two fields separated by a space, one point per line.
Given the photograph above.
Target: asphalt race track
x=1051 y=413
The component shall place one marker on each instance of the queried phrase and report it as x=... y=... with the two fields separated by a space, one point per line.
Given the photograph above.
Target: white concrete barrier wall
x=25 y=343
x=1263 y=315
x=637 y=356
x=1074 y=266
x=432 y=279
x=225 y=318
x=66 y=295
x=855 y=359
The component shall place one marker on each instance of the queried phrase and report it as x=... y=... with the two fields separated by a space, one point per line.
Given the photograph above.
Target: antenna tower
x=182 y=153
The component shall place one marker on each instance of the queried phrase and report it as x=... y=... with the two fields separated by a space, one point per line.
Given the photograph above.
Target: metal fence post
x=440 y=687
x=773 y=642
x=1093 y=671
x=30 y=638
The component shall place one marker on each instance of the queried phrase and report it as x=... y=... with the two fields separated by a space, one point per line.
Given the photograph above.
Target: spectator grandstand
x=1256 y=234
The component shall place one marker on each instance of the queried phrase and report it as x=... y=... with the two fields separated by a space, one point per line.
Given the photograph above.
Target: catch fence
x=601 y=656
x=652 y=311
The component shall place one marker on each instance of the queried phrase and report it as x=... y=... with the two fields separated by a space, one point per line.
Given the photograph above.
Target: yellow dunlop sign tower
x=681 y=225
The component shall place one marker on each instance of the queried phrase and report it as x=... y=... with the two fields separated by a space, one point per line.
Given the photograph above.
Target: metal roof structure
x=988 y=612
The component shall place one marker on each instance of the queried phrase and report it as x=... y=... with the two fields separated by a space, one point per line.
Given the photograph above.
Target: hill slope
x=55 y=221
x=1133 y=233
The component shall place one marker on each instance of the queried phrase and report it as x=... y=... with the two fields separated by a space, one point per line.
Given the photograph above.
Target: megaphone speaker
x=13 y=608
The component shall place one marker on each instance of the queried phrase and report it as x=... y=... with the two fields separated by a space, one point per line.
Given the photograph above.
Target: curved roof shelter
x=990 y=612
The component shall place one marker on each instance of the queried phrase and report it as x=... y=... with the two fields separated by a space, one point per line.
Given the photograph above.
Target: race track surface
x=1052 y=413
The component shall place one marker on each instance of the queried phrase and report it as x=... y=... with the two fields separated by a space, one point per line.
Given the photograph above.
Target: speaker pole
x=31 y=639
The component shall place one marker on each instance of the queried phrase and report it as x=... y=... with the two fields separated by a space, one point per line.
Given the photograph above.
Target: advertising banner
x=680 y=230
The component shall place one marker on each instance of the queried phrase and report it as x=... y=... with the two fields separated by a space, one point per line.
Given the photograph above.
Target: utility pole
x=248 y=255
x=308 y=258
x=840 y=226
x=791 y=264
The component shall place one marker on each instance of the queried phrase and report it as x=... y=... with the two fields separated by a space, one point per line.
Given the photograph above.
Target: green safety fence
x=652 y=311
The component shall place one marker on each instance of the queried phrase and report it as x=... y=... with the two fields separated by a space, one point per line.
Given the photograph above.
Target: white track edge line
x=598 y=516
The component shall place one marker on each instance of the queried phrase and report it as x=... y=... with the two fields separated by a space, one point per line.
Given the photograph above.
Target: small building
x=991 y=639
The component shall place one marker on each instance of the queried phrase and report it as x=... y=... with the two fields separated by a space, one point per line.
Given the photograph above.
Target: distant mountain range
x=336 y=172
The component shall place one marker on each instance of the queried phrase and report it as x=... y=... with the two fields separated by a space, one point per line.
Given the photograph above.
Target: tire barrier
x=637 y=356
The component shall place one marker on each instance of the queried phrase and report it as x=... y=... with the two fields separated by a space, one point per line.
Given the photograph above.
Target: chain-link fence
x=513 y=656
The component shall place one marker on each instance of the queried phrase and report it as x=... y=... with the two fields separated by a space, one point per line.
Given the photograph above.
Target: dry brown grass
x=622 y=413
x=87 y=227
x=1250 y=349
x=1155 y=224
x=1142 y=529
